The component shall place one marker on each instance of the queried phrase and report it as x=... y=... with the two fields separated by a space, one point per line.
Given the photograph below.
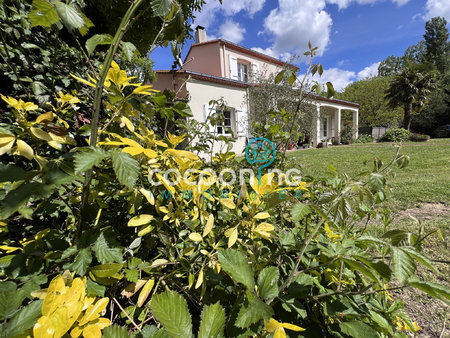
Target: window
x=242 y=72
x=226 y=124
x=325 y=128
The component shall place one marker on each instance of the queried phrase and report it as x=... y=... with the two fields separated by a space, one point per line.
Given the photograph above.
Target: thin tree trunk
x=407 y=116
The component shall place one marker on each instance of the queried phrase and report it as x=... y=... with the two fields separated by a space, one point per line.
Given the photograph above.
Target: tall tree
x=374 y=110
x=390 y=66
x=437 y=46
x=411 y=89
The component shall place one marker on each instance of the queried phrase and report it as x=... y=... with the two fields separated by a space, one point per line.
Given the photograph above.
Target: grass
x=421 y=190
x=426 y=179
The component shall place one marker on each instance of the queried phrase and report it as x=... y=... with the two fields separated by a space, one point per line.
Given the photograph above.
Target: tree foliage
x=370 y=94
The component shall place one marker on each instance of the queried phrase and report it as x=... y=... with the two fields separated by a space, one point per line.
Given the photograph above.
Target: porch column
x=337 y=125
x=317 y=136
x=355 y=123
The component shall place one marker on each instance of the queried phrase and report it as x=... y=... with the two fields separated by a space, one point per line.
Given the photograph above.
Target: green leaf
x=128 y=50
x=107 y=249
x=268 y=282
x=105 y=270
x=85 y=160
x=151 y=331
x=10 y=300
x=433 y=289
x=404 y=266
x=82 y=261
x=24 y=319
x=125 y=167
x=11 y=173
x=213 y=321
x=358 y=330
x=97 y=39
x=70 y=16
x=421 y=258
x=254 y=312
x=330 y=90
x=299 y=211
x=175 y=27
x=279 y=77
x=94 y=289
x=236 y=264
x=161 y=7
x=115 y=331
x=376 y=182
x=43 y=14
x=171 y=310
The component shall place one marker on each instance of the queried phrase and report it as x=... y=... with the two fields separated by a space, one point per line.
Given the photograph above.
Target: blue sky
x=353 y=36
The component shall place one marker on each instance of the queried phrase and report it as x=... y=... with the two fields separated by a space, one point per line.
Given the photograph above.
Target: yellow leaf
x=196 y=237
x=166 y=185
x=199 y=279
x=228 y=202
x=140 y=220
x=54 y=297
x=40 y=134
x=145 y=292
x=144 y=90
x=48 y=116
x=92 y=331
x=145 y=230
x=75 y=333
x=83 y=81
x=292 y=327
x=132 y=288
x=8 y=249
x=133 y=151
x=41 y=161
x=148 y=196
x=262 y=215
x=93 y=311
x=6 y=146
x=150 y=153
x=44 y=328
x=264 y=227
x=209 y=225
x=128 y=123
x=233 y=237
x=181 y=153
x=175 y=140
x=39 y=293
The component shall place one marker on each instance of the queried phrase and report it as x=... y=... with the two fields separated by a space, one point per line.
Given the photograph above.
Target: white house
x=218 y=68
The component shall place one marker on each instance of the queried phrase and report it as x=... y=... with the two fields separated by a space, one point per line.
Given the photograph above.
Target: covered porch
x=330 y=122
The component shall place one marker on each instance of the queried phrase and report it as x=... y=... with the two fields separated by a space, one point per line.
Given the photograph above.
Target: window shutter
x=255 y=72
x=241 y=119
x=208 y=111
x=233 y=67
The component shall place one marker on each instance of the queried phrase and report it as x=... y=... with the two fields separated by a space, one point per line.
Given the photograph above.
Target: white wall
x=201 y=92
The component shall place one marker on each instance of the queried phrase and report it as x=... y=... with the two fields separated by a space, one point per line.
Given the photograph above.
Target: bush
x=395 y=135
x=418 y=137
x=363 y=138
x=346 y=135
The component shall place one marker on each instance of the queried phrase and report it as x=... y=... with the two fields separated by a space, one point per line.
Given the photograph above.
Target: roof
x=239 y=84
x=208 y=78
x=236 y=47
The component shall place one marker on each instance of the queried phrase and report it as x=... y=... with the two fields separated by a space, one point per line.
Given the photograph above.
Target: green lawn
x=426 y=179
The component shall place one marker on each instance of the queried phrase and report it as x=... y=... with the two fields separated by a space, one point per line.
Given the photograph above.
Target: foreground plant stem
x=123 y=27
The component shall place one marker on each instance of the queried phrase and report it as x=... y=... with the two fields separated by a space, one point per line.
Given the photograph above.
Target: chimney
x=200 y=34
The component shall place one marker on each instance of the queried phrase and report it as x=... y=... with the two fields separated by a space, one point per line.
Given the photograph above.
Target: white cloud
x=208 y=13
x=294 y=23
x=341 y=78
x=232 y=31
x=345 y=3
x=438 y=8
x=369 y=71
x=338 y=77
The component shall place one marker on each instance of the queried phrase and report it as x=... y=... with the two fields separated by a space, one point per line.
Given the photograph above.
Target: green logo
x=262 y=152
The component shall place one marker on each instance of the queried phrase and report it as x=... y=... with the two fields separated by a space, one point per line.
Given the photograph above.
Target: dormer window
x=242 y=72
